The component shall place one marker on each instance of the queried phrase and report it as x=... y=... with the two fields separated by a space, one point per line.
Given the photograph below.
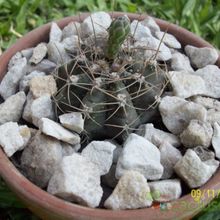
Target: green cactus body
x=118 y=32
x=114 y=97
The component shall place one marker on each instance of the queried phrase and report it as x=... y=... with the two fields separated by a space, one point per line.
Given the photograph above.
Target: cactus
x=116 y=92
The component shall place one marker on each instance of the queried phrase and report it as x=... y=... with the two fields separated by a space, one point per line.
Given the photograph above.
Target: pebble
x=11 y=109
x=151 y=24
x=25 y=132
x=204 y=153
x=43 y=85
x=73 y=28
x=194 y=171
x=165 y=190
x=24 y=82
x=201 y=57
x=213 y=116
x=208 y=103
x=180 y=62
x=185 y=84
x=216 y=140
x=68 y=149
x=197 y=133
x=10 y=82
x=27 y=53
x=15 y=59
x=55 y=130
x=169 y=157
x=55 y=33
x=140 y=155
x=157 y=136
x=26 y=115
x=177 y=113
x=11 y=139
x=73 y=121
x=40 y=158
x=101 y=154
x=168 y=39
x=42 y=107
x=39 y=52
x=76 y=179
x=72 y=44
x=96 y=23
x=131 y=192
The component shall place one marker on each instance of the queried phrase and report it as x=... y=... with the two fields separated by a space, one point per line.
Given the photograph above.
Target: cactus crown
x=116 y=90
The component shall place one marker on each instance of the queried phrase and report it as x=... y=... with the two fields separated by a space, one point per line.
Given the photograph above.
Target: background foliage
x=17 y=17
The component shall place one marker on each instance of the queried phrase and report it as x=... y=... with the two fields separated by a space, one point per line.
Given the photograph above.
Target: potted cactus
x=111 y=113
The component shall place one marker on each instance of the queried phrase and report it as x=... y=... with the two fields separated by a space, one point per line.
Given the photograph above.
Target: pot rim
x=42 y=200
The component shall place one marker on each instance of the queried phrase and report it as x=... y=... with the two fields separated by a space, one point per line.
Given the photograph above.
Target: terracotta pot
x=47 y=206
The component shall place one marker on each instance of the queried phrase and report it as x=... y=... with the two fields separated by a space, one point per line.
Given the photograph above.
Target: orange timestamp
x=198 y=194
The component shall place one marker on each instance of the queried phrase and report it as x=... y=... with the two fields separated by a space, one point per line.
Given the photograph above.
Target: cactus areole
x=115 y=87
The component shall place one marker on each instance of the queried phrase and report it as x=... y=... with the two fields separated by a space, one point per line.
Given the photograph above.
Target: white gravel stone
x=197 y=133
x=25 y=132
x=157 y=136
x=26 y=115
x=213 y=116
x=169 y=157
x=57 y=53
x=55 y=33
x=73 y=28
x=72 y=44
x=177 y=113
x=39 y=52
x=180 y=62
x=139 y=31
x=10 y=82
x=40 y=158
x=42 y=107
x=216 y=140
x=27 y=53
x=201 y=57
x=76 y=179
x=101 y=154
x=11 y=109
x=168 y=39
x=207 y=102
x=15 y=60
x=185 y=84
x=151 y=24
x=24 y=82
x=131 y=192
x=73 y=121
x=43 y=85
x=165 y=190
x=10 y=138
x=97 y=22
x=55 y=130
x=151 y=47
x=211 y=75
x=140 y=155
x=193 y=171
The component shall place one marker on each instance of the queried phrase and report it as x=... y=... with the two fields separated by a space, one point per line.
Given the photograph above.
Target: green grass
x=17 y=17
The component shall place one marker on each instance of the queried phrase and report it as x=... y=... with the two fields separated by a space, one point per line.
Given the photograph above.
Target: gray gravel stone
x=139 y=31
x=68 y=149
x=197 y=133
x=27 y=53
x=204 y=153
x=39 y=52
x=185 y=84
x=55 y=130
x=76 y=179
x=11 y=109
x=177 y=113
x=131 y=192
x=140 y=155
x=40 y=158
x=207 y=102
x=193 y=171
x=55 y=33
x=72 y=44
x=11 y=139
x=10 y=82
x=101 y=154
x=15 y=60
x=157 y=136
x=201 y=57
x=73 y=28
x=216 y=140
x=165 y=190
x=42 y=107
x=73 y=121
x=26 y=115
x=151 y=24
x=169 y=157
